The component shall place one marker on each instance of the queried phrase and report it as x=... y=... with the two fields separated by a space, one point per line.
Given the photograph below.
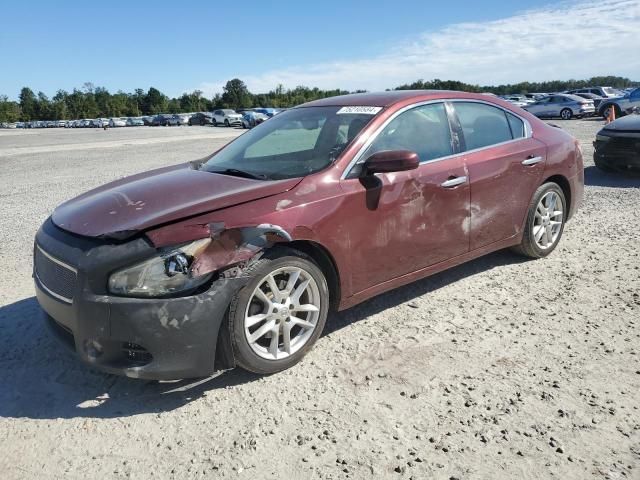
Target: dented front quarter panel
x=310 y=212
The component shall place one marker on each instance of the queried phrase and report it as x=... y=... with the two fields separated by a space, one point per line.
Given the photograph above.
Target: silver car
x=622 y=105
x=564 y=106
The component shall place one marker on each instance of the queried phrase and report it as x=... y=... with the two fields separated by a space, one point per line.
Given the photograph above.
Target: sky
x=179 y=47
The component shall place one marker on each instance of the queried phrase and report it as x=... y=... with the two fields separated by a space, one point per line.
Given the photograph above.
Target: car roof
x=386 y=99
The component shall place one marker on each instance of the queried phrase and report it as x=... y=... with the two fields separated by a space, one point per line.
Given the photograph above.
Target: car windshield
x=293 y=144
x=228 y=112
x=610 y=91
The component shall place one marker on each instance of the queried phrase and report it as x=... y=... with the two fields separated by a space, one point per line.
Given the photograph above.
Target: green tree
x=155 y=102
x=28 y=104
x=236 y=94
x=9 y=111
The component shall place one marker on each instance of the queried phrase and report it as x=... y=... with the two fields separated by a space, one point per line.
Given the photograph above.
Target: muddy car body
x=236 y=259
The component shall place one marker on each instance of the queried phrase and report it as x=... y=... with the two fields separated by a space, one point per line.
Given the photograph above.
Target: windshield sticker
x=361 y=110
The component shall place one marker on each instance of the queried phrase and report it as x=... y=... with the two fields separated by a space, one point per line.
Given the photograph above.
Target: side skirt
x=427 y=271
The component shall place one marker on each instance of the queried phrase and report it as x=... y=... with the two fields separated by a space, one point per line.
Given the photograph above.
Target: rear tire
x=542 y=232
x=297 y=312
x=566 y=114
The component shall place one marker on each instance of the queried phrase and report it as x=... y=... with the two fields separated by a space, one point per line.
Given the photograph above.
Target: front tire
x=566 y=114
x=277 y=317
x=226 y=122
x=545 y=222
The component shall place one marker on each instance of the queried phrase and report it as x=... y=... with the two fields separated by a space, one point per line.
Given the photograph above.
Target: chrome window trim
x=528 y=131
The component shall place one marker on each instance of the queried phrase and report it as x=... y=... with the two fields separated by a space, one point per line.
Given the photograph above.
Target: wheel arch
x=327 y=264
x=224 y=357
x=564 y=184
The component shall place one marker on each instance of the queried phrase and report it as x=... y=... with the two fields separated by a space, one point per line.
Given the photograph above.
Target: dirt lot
x=501 y=368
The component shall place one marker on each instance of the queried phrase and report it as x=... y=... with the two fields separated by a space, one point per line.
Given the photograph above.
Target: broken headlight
x=166 y=274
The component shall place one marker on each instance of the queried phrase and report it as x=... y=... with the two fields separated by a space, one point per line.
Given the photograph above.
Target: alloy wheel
x=282 y=313
x=547 y=223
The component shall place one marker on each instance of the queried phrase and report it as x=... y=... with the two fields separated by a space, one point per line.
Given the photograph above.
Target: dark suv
x=201 y=118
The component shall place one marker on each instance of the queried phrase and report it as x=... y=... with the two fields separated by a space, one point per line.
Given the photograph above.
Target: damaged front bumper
x=164 y=338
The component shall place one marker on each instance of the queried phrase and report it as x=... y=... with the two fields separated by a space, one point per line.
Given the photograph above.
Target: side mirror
x=391 y=161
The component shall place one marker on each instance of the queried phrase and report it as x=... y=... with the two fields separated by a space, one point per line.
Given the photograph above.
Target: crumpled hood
x=122 y=208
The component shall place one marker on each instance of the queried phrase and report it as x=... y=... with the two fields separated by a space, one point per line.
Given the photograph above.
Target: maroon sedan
x=237 y=258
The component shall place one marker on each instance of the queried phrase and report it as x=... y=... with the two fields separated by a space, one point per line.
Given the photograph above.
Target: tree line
x=95 y=102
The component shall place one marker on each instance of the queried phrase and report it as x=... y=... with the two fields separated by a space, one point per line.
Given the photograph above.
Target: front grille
x=619 y=146
x=56 y=277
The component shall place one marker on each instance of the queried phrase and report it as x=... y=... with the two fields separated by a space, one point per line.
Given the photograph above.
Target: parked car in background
x=561 y=105
x=148 y=120
x=117 y=122
x=604 y=92
x=535 y=96
x=201 y=118
x=135 y=122
x=227 y=117
x=617 y=145
x=268 y=111
x=183 y=119
x=250 y=118
x=164 y=120
x=622 y=105
x=237 y=259
x=516 y=100
x=597 y=99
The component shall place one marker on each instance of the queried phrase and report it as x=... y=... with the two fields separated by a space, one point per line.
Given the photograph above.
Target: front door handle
x=532 y=161
x=454 y=182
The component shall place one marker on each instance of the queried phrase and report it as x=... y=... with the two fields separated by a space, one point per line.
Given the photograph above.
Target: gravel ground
x=500 y=368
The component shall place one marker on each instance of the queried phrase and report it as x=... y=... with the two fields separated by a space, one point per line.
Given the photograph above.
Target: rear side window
x=517 y=125
x=482 y=125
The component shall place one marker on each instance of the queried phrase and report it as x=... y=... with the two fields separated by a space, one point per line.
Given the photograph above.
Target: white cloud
x=569 y=40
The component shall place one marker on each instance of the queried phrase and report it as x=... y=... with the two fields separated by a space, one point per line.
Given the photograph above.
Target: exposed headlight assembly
x=166 y=274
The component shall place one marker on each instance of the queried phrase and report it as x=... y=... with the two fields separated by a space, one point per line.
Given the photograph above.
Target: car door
x=556 y=104
x=540 y=108
x=405 y=221
x=505 y=165
x=634 y=98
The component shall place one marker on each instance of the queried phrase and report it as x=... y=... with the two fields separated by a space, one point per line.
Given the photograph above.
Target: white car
x=227 y=117
x=117 y=122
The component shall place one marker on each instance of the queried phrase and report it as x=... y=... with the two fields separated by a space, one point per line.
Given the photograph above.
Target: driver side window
x=424 y=130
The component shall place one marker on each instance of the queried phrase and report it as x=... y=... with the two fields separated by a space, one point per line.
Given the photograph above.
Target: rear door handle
x=532 y=161
x=454 y=182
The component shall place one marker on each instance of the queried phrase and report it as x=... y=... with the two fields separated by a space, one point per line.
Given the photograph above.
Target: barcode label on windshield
x=361 y=110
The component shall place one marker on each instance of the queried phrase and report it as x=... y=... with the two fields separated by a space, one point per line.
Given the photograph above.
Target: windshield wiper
x=240 y=173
